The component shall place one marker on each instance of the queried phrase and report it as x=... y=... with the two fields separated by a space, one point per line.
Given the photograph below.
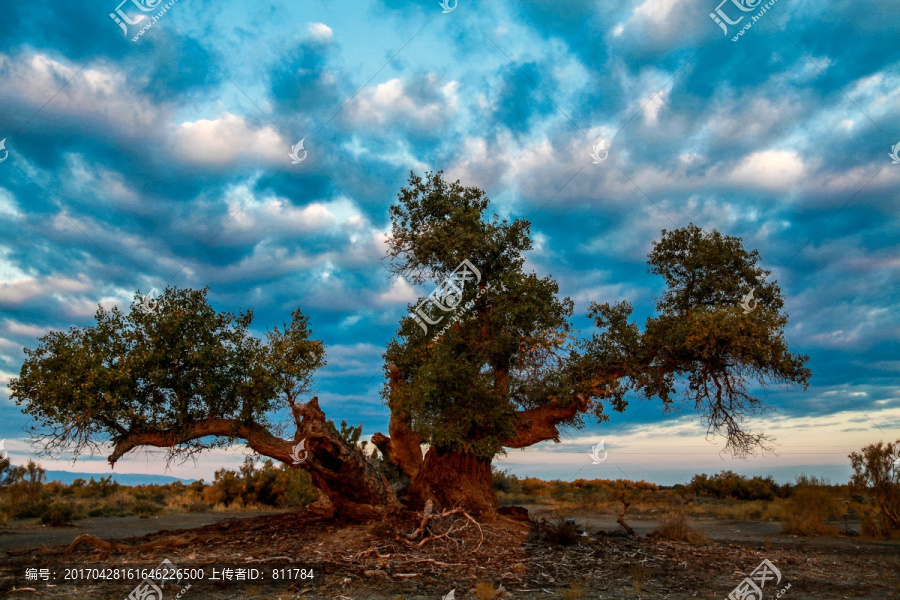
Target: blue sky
x=164 y=161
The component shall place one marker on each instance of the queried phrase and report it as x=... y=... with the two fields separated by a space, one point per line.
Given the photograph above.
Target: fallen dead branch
x=621 y=519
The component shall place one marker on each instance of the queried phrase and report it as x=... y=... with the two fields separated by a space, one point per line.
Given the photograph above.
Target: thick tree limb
x=356 y=490
x=538 y=424
x=256 y=436
x=404 y=446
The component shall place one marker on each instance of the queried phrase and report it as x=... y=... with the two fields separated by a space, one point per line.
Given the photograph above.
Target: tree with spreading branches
x=511 y=372
x=491 y=363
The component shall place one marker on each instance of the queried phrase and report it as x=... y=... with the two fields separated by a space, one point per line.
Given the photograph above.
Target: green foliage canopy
x=161 y=368
x=514 y=350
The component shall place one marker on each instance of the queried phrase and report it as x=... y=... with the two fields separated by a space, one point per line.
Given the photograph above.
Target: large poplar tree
x=508 y=372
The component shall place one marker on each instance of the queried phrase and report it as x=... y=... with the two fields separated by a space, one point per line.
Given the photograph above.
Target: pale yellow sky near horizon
x=676 y=444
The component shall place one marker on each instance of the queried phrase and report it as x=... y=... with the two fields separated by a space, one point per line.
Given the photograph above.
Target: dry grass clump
x=484 y=590
x=577 y=589
x=754 y=510
x=674 y=527
x=638 y=574
x=809 y=507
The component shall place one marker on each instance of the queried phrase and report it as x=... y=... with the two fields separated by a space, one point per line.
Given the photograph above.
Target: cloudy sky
x=164 y=161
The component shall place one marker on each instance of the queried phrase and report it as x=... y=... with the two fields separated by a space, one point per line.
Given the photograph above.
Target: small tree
x=876 y=470
x=180 y=375
x=26 y=490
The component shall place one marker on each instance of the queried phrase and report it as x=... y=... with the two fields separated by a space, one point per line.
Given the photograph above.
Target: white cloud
x=769 y=169
x=400 y=292
x=96 y=98
x=654 y=11
x=11 y=327
x=394 y=103
x=662 y=20
x=9 y=208
x=321 y=32
x=20 y=291
x=228 y=138
x=652 y=105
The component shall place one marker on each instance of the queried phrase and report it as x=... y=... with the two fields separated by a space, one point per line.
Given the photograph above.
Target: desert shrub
x=730 y=485
x=155 y=493
x=267 y=485
x=557 y=532
x=145 y=508
x=811 y=504
x=560 y=490
x=225 y=488
x=106 y=511
x=532 y=486
x=196 y=506
x=58 y=514
x=876 y=473
x=504 y=482
x=751 y=510
x=56 y=489
x=591 y=494
x=104 y=488
x=27 y=498
x=27 y=509
x=300 y=491
x=675 y=527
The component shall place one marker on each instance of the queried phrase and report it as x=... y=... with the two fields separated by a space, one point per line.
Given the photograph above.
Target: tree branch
x=352 y=484
x=256 y=436
x=538 y=424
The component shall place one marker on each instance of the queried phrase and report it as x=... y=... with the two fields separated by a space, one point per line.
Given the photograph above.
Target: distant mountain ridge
x=67 y=477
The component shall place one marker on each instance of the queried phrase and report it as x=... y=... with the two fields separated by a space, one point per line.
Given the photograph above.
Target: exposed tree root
x=413 y=539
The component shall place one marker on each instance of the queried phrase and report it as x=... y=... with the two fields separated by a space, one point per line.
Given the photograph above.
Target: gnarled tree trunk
x=355 y=488
x=455 y=479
